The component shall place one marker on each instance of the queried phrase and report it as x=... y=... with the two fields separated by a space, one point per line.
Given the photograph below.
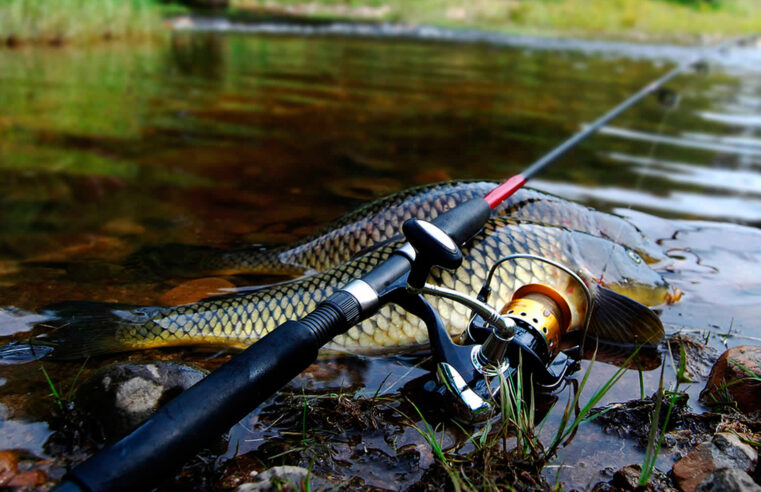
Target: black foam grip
x=465 y=220
x=209 y=408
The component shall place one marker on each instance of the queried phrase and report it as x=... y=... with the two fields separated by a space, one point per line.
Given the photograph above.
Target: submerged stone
x=627 y=478
x=287 y=477
x=119 y=397
x=12 y=478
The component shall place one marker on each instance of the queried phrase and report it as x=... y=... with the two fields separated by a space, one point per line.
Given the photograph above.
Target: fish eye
x=634 y=256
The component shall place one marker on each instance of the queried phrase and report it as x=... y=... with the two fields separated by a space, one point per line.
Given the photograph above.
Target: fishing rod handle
x=209 y=408
x=465 y=220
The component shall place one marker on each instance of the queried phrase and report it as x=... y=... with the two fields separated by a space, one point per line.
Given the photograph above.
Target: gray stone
x=119 y=397
x=728 y=480
x=279 y=478
x=733 y=452
x=725 y=451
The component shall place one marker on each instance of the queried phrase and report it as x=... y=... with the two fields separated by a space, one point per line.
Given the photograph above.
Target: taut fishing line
x=670 y=108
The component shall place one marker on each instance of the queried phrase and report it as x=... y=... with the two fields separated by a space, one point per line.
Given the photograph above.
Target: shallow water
x=231 y=139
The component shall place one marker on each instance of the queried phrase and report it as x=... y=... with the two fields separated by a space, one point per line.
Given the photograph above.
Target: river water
x=227 y=135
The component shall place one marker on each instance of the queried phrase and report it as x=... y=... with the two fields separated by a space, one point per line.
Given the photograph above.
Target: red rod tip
x=501 y=192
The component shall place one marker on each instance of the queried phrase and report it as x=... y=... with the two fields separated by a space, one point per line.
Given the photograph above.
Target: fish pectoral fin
x=617 y=318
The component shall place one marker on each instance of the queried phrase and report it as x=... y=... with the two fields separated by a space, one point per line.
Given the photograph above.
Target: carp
x=621 y=282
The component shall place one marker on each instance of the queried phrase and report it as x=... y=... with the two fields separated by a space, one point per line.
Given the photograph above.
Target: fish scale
x=381 y=221
x=241 y=320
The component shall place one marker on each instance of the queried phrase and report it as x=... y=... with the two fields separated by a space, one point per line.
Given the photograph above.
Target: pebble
x=724 y=451
x=627 y=479
x=12 y=478
x=285 y=477
x=728 y=377
x=728 y=480
x=119 y=397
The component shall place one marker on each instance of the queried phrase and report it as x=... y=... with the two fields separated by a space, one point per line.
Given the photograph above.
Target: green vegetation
x=494 y=460
x=633 y=19
x=655 y=438
x=63 y=21
x=80 y=21
x=62 y=401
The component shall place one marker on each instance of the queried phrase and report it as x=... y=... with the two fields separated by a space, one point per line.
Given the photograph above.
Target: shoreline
x=648 y=21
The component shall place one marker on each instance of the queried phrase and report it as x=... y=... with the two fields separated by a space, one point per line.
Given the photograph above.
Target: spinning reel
x=524 y=335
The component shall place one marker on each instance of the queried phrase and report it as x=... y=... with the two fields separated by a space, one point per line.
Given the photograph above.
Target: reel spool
x=543 y=310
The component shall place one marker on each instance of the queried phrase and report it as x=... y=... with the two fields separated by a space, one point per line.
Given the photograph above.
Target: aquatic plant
x=721 y=397
x=655 y=438
x=62 y=400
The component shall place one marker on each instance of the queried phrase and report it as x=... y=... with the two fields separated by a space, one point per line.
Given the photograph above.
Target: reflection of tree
x=221 y=126
x=201 y=55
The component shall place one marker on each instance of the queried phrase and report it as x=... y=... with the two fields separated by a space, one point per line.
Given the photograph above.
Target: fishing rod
x=495 y=341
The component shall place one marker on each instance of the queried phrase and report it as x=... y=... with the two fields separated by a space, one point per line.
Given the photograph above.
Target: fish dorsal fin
x=617 y=318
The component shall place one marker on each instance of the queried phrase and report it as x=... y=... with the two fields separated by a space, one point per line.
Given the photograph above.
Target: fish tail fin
x=79 y=329
x=617 y=318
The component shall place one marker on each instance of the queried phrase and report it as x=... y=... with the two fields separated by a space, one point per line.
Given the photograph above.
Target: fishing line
x=512 y=184
x=640 y=178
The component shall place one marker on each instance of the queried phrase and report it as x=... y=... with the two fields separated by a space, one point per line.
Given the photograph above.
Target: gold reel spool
x=534 y=299
x=544 y=309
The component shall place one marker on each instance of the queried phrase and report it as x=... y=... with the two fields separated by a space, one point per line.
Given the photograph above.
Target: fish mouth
x=648 y=294
x=674 y=296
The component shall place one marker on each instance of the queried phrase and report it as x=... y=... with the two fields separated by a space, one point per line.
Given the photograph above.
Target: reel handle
x=433 y=247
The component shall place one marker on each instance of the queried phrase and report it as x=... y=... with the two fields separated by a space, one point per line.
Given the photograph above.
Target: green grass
x=682 y=20
x=515 y=439
x=655 y=438
x=86 y=21
x=78 y=21
x=61 y=399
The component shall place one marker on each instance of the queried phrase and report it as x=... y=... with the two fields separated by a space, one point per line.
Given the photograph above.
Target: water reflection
x=739 y=180
x=672 y=204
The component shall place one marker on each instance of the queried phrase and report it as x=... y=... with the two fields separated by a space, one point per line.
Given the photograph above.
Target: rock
x=196 y=290
x=119 y=397
x=627 y=478
x=728 y=480
x=734 y=452
x=279 y=478
x=11 y=477
x=729 y=381
x=725 y=451
x=693 y=468
x=123 y=227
